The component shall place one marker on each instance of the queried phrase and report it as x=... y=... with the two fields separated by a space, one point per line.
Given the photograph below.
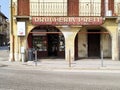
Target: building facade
x=69 y=29
x=3 y=29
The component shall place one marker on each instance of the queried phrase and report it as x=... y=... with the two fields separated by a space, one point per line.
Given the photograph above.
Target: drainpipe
x=11 y=33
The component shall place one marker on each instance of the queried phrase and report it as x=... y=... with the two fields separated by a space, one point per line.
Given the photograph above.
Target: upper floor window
x=48 y=7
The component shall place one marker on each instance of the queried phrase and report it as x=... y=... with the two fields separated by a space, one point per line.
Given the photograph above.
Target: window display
x=40 y=43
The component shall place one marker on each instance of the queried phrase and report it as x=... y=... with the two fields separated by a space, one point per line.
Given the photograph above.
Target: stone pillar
x=16 y=42
x=115 y=49
x=112 y=27
x=20 y=41
x=16 y=48
x=69 y=46
x=119 y=37
x=69 y=34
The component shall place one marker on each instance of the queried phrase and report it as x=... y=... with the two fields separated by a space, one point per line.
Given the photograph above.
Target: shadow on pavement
x=3 y=65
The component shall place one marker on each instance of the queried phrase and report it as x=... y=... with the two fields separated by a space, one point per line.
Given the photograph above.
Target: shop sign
x=67 y=20
x=21 y=28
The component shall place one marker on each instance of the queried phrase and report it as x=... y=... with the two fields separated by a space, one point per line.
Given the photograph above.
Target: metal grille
x=89 y=9
x=48 y=9
x=61 y=9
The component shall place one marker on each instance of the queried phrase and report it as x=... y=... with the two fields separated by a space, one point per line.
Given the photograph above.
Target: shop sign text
x=67 y=20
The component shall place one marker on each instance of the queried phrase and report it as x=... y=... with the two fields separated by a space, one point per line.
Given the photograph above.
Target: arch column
x=119 y=36
x=115 y=49
x=69 y=34
x=114 y=33
x=112 y=27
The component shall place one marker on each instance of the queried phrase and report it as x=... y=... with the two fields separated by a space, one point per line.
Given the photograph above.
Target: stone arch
x=83 y=37
x=45 y=38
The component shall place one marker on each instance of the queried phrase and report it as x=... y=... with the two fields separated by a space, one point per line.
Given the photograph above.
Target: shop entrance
x=94 y=44
x=53 y=43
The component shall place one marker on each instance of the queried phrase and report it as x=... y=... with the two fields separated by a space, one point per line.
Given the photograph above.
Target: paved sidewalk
x=79 y=64
x=62 y=65
x=58 y=64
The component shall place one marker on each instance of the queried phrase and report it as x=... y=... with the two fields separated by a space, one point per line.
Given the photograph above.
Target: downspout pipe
x=11 y=33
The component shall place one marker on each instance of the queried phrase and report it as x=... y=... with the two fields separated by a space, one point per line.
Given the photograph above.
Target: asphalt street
x=53 y=80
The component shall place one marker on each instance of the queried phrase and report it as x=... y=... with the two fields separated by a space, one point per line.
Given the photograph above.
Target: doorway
x=53 y=43
x=93 y=44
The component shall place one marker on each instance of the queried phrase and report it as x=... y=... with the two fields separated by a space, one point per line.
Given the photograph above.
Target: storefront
x=48 y=41
x=84 y=37
x=69 y=39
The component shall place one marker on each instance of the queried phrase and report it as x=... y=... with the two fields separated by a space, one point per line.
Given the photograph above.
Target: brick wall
x=23 y=7
x=102 y=7
x=73 y=7
x=111 y=5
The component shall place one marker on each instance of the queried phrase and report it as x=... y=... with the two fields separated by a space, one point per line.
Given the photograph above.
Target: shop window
x=40 y=43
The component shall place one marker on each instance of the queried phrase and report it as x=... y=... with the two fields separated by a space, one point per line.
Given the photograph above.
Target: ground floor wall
x=74 y=48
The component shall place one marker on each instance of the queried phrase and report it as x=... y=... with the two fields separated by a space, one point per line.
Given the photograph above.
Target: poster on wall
x=21 y=28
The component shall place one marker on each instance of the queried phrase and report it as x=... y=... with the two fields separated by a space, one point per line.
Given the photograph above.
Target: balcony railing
x=61 y=9
x=48 y=9
x=89 y=9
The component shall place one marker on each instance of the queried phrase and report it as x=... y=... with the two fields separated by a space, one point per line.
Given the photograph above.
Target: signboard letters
x=67 y=20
